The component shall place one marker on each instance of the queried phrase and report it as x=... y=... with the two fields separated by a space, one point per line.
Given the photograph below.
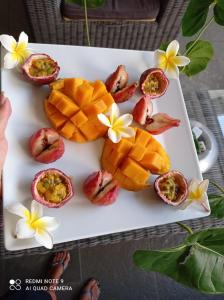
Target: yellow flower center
x=20 y=52
x=117 y=125
x=196 y=195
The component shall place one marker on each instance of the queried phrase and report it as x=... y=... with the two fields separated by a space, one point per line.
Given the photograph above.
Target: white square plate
x=79 y=218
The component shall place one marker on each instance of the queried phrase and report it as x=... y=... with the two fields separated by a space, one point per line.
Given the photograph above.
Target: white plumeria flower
x=118 y=125
x=169 y=61
x=33 y=224
x=17 y=52
x=197 y=192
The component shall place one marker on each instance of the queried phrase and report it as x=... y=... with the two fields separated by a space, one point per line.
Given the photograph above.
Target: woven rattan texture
x=200 y=108
x=49 y=27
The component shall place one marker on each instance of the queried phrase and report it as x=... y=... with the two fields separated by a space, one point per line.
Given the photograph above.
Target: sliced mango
x=132 y=160
x=133 y=170
x=95 y=108
x=152 y=161
x=57 y=84
x=63 y=103
x=70 y=86
x=83 y=94
x=79 y=119
x=73 y=106
x=99 y=89
x=68 y=130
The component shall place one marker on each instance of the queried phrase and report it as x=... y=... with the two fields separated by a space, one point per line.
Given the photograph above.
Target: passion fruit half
x=172 y=188
x=52 y=188
x=153 y=83
x=40 y=69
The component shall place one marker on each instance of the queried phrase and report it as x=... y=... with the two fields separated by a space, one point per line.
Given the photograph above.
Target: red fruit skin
x=142 y=110
x=41 y=200
x=126 y=93
x=46 y=145
x=161 y=122
x=182 y=184
x=39 y=80
x=100 y=188
x=117 y=80
x=164 y=82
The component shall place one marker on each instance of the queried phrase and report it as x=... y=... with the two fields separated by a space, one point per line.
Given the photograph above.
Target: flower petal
x=104 y=120
x=10 y=61
x=193 y=185
x=124 y=120
x=181 y=61
x=46 y=224
x=24 y=230
x=36 y=210
x=172 y=70
x=160 y=59
x=127 y=132
x=172 y=49
x=205 y=205
x=8 y=42
x=44 y=238
x=23 y=39
x=204 y=185
x=114 y=113
x=114 y=136
x=19 y=210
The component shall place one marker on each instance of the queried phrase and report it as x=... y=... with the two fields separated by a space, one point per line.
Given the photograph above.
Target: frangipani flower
x=169 y=61
x=33 y=224
x=197 y=193
x=17 y=52
x=118 y=125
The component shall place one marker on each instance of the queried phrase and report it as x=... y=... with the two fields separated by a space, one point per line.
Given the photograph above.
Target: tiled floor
x=112 y=264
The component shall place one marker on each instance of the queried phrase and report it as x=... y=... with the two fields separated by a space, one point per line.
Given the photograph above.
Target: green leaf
x=197 y=263
x=220 y=3
x=217 y=205
x=163 y=261
x=219 y=14
x=195 y=16
x=89 y=3
x=211 y=238
x=200 y=54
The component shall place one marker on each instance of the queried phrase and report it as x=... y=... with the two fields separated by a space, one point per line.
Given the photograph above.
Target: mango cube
x=83 y=94
x=79 y=119
x=70 y=86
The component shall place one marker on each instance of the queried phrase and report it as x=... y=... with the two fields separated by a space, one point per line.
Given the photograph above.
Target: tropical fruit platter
x=104 y=141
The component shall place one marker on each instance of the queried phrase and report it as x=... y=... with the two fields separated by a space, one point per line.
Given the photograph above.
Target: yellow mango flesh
x=132 y=160
x=73 y=105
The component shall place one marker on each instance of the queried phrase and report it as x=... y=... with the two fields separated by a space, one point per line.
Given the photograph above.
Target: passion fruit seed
x=169 y=188
x=151 y=85
x=42 y=67
x=52 y=188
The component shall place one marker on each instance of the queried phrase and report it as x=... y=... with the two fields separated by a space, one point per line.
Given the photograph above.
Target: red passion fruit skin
x=181 y=183
x=46 y=145
x=158 y=80
x=100 y=188
x=44 y=79
x=36 y=196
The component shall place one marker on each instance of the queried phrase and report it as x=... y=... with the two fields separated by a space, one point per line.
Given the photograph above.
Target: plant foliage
x=197 y=263
x=200 y=54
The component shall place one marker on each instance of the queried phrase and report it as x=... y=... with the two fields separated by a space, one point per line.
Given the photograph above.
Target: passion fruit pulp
x=172 y=188
x=52 y=188
x=40 y=68
x=153 y=82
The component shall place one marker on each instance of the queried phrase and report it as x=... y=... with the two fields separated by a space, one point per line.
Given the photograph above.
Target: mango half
x=132 y=160
x=73 y=105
